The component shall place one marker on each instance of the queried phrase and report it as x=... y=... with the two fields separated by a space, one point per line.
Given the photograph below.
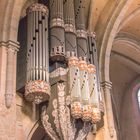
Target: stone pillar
x=10 y=90
x=8 y=53
x=109 y=125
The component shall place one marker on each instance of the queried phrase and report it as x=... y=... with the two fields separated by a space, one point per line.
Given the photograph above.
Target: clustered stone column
x=10 y=91
x=8 y=54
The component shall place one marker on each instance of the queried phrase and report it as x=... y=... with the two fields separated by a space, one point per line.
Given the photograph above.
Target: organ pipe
x=94 y=85
x=85 y=96
x=70 y=31
x=74 y=86
x=37 y=88
x=80 y=27
x=57 y=34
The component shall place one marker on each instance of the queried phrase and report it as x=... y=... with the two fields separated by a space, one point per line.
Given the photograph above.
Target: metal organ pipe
x=80 y=27
x=37 y=88
x=82 y=54
x=92 y=56
x=43 y=48
x=36 y=45
x=33 y=46
x=73 y=61
x=28 y=47
x=94 y=85
x=46 y=49
x=40 y=44
x=70 y=31
x=94 y=49
x=57 y=34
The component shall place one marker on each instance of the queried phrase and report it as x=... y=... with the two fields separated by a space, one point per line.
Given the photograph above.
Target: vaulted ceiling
x=127 y=40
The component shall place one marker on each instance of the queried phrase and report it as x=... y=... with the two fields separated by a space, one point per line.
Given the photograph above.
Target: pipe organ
x=37 y=88
x=73 y=52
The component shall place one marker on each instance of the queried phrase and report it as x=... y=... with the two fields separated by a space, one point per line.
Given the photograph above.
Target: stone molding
x=106 y=84
x=10 y=44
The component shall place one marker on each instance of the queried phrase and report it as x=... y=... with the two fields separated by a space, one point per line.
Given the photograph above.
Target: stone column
x=8 y=53
x=108 y=118
x=10 y=90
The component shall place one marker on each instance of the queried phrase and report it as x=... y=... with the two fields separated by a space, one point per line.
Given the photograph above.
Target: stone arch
x=11 y=17
x=128 y=39
x=106 y=34
x=128 y=18
x=10 y=20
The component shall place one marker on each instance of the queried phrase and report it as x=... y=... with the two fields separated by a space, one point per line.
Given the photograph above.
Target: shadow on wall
x=40 y=134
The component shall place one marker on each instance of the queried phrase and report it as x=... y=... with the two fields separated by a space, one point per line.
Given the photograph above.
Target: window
x=139 y=97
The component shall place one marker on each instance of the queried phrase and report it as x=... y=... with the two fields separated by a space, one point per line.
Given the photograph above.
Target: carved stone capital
x=11 y=45
x=38 y=7
x=57 y=22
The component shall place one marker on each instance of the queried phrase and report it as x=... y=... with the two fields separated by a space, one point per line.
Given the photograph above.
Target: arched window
x=139 y=97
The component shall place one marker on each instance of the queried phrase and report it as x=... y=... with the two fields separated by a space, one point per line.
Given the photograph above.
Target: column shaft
x=108 y=107
x=10 y=73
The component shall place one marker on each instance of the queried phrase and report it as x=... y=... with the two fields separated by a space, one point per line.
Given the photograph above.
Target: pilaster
x=8 y=53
